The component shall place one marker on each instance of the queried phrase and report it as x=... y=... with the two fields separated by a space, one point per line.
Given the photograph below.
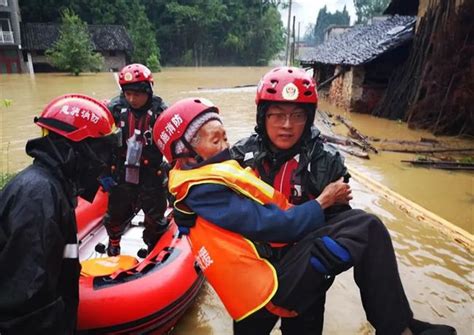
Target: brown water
x=437 y=272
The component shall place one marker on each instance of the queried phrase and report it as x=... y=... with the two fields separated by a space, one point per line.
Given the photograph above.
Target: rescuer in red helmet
x=39 y=276
x=138 y=169
x=288 y=153
x=240 y=220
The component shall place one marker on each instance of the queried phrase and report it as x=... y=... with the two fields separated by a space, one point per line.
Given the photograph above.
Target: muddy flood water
x=437 y=272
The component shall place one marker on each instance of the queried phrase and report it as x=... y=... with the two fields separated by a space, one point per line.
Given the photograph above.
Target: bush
x=153 y=63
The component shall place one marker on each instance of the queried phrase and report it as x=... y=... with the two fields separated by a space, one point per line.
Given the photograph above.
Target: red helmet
x=287 y=84
x=172 y=124
x=76 y=117
x=135 y=73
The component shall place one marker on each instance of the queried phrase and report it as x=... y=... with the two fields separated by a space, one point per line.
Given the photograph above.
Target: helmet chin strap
x=191 y=152
x=91 y=167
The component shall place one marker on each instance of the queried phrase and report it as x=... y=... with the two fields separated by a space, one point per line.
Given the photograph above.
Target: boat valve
x=100 y=248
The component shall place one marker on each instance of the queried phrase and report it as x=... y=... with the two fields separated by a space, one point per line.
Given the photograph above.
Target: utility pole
x=298 y=40
x=288 y=32
x=293 y=44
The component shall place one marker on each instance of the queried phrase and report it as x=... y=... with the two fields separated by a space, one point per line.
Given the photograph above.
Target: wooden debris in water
x=342 y=143
x=353 y=152
x=441 y=164
x=430 y=151
x=357 y=134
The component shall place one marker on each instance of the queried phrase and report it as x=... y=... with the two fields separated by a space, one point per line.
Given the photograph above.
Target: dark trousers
x=125 y=200
x=302 y=288
x=308 y=322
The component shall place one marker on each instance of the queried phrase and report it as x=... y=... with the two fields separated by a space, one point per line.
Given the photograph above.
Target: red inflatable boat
x=126 y=295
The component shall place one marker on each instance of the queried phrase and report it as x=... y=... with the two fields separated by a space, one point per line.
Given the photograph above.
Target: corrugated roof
x=41 y=36
x=363 y=43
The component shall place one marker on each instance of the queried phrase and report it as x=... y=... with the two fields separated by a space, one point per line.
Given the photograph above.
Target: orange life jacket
x=242 y=280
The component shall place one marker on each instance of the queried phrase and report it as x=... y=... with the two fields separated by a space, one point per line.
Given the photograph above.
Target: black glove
x=184 y=220
x=329 y=257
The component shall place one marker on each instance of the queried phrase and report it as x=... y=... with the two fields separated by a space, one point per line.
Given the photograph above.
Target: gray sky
x=306 y=11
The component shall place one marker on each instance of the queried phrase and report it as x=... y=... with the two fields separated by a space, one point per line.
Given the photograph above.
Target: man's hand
x=337 y=192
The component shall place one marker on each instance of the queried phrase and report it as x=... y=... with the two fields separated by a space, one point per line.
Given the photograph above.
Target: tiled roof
x=41 y=36
x=362 y=44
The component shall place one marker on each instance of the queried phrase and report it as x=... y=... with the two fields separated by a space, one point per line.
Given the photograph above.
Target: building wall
x=10 y=61
x=350 y=93
x=111 y=63
x=114 y=63
x=336 y=95
x=14 y=15
x=357 y=88
x=332 y=32
x=371 y=96
x=10 y=53
x=15 y=18
x=347 y=89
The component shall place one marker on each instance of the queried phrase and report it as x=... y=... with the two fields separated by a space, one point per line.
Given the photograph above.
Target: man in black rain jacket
x=135 y=111
x=39 y=276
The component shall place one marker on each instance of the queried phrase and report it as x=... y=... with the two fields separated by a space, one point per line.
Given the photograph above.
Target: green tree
x=267 y=39
x=142 y=34
x=366 y=9
x=197 y=27
x=42 y=10
x=73 y=51
x=193 y=32
x=326 y=19
x=153 y=63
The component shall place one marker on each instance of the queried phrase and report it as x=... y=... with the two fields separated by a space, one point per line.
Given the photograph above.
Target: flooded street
x=436 y=271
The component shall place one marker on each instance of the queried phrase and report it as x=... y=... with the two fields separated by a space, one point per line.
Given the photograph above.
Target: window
x=5 y=24
x=6 y=33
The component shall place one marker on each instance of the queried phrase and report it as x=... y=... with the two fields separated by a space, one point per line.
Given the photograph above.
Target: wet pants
x=125 y=200
x=302 y=288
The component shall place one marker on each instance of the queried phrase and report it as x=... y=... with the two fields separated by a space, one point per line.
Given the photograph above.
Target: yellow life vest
x=243 y=281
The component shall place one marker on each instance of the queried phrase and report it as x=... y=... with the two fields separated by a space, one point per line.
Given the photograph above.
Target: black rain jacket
x=39 y=266
x=319 y=164
x=120 y=109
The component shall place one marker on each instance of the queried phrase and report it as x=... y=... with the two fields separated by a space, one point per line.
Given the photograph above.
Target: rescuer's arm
x=227 y=209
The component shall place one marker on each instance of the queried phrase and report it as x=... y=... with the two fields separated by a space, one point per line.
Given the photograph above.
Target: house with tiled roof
x=10 y=41
x=353 y=67
x=112 y=41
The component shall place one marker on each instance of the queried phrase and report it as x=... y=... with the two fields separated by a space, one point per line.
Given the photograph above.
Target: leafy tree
x=153 y=63
x=192 y=32
x=268 y=38
x=142 y=34
x=73 y=51
x=326 y=19
x=42 y=10
x=197 y=25
x=102 y=12
x=366 y=9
